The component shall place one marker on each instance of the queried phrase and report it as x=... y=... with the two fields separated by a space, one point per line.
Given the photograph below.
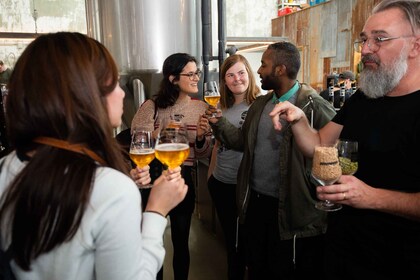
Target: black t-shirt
x=388 y=132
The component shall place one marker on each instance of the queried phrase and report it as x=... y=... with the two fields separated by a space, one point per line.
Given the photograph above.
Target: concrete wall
x=37 y=16
x=250 y=18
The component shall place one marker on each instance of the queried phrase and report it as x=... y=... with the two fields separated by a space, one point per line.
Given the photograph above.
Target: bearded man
x=377 y=233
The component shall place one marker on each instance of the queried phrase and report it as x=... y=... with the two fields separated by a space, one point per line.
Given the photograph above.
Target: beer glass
x=211 y=94
x=172 y=147
x=326 y=170
x=142 y=150
x=348 y=154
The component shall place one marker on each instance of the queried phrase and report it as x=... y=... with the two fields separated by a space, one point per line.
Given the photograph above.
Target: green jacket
x=5 y=76
x=297 y=214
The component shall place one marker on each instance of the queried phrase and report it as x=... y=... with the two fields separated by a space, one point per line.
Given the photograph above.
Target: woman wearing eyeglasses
x=180 y=79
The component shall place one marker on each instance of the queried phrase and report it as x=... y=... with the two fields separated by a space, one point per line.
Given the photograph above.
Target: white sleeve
x=127 y=245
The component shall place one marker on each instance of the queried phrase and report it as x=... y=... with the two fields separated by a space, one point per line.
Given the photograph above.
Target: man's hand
x=286 y=111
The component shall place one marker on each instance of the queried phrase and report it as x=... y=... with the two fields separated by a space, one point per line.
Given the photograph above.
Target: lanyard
x=65 y=145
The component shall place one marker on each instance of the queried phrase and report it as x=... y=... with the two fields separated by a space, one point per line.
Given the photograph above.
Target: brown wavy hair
x=226 y=96
x=58 y=89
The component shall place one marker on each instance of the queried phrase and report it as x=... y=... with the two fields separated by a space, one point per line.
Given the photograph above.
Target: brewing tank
x=140 y=34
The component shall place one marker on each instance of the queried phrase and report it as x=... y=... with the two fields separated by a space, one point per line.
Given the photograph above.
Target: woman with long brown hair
x=180 y=80
x=68 y=208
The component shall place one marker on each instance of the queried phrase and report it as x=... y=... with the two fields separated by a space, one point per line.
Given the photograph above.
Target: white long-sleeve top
x=114 y=241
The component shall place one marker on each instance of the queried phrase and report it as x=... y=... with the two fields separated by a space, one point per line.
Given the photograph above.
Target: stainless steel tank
x=140 y=34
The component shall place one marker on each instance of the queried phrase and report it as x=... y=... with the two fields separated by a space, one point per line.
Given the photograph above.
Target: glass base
x=149 y=186
x=327 y=206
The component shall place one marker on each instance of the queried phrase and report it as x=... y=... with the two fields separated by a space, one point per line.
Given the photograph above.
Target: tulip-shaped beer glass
x=172 y=147
x=142 y=150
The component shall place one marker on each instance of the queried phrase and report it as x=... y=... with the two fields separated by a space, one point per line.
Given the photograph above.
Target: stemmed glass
x=348 y=156
x=326 y=170
x=172 y=147
x=142 y=149
x=211 y=94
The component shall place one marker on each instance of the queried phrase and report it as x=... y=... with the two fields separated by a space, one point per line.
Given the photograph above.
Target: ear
x=280 y=70
x=171 y=79
x=416 y=47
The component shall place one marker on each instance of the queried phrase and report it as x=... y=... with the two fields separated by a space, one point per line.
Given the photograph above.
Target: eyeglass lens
x=371 y=44
x=193 y=75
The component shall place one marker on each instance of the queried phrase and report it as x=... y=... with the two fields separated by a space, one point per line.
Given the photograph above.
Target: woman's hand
x=141 y=176
x=167 y=192
x=213 y=114
x=203 y=127
x=173 y=174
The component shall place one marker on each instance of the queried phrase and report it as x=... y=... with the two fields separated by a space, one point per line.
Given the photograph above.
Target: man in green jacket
x=5 y=73
x=284 y=231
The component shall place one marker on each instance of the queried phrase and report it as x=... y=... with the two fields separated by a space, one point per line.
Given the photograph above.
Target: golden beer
x=142 y=158
x=212 y=100
x=172 y=154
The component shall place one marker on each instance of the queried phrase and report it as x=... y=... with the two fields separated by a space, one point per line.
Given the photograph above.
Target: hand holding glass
x=172 y=147
x=211 y=94
x=326 y=170
x=142 y=149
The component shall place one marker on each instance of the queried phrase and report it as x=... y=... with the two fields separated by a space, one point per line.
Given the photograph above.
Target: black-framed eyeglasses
x=374 y=43
x=192 y=75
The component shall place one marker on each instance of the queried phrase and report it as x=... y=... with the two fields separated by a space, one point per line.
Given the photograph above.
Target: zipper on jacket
x=237 y=234
x=294 y=251
x=245 y=198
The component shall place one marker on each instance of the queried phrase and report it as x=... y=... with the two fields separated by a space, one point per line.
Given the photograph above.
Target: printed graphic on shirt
x=177 y=117
x=243 y=116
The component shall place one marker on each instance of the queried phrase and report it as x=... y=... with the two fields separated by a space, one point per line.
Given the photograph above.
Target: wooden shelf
x=289 y=4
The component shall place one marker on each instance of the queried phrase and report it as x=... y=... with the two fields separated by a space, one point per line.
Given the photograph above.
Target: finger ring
x=344 y=196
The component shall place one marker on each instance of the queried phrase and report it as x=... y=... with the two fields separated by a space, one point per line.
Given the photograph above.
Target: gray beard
x=378 y=83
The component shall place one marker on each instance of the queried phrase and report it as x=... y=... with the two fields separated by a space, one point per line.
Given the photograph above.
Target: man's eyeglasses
x=374 y=43
x=192 y=75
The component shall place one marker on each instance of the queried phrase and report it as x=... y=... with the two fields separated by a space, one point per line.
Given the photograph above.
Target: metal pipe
x=221 y=15
x=206 y=36
x=138 y=93
x=4 y=142
x=206 y=16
